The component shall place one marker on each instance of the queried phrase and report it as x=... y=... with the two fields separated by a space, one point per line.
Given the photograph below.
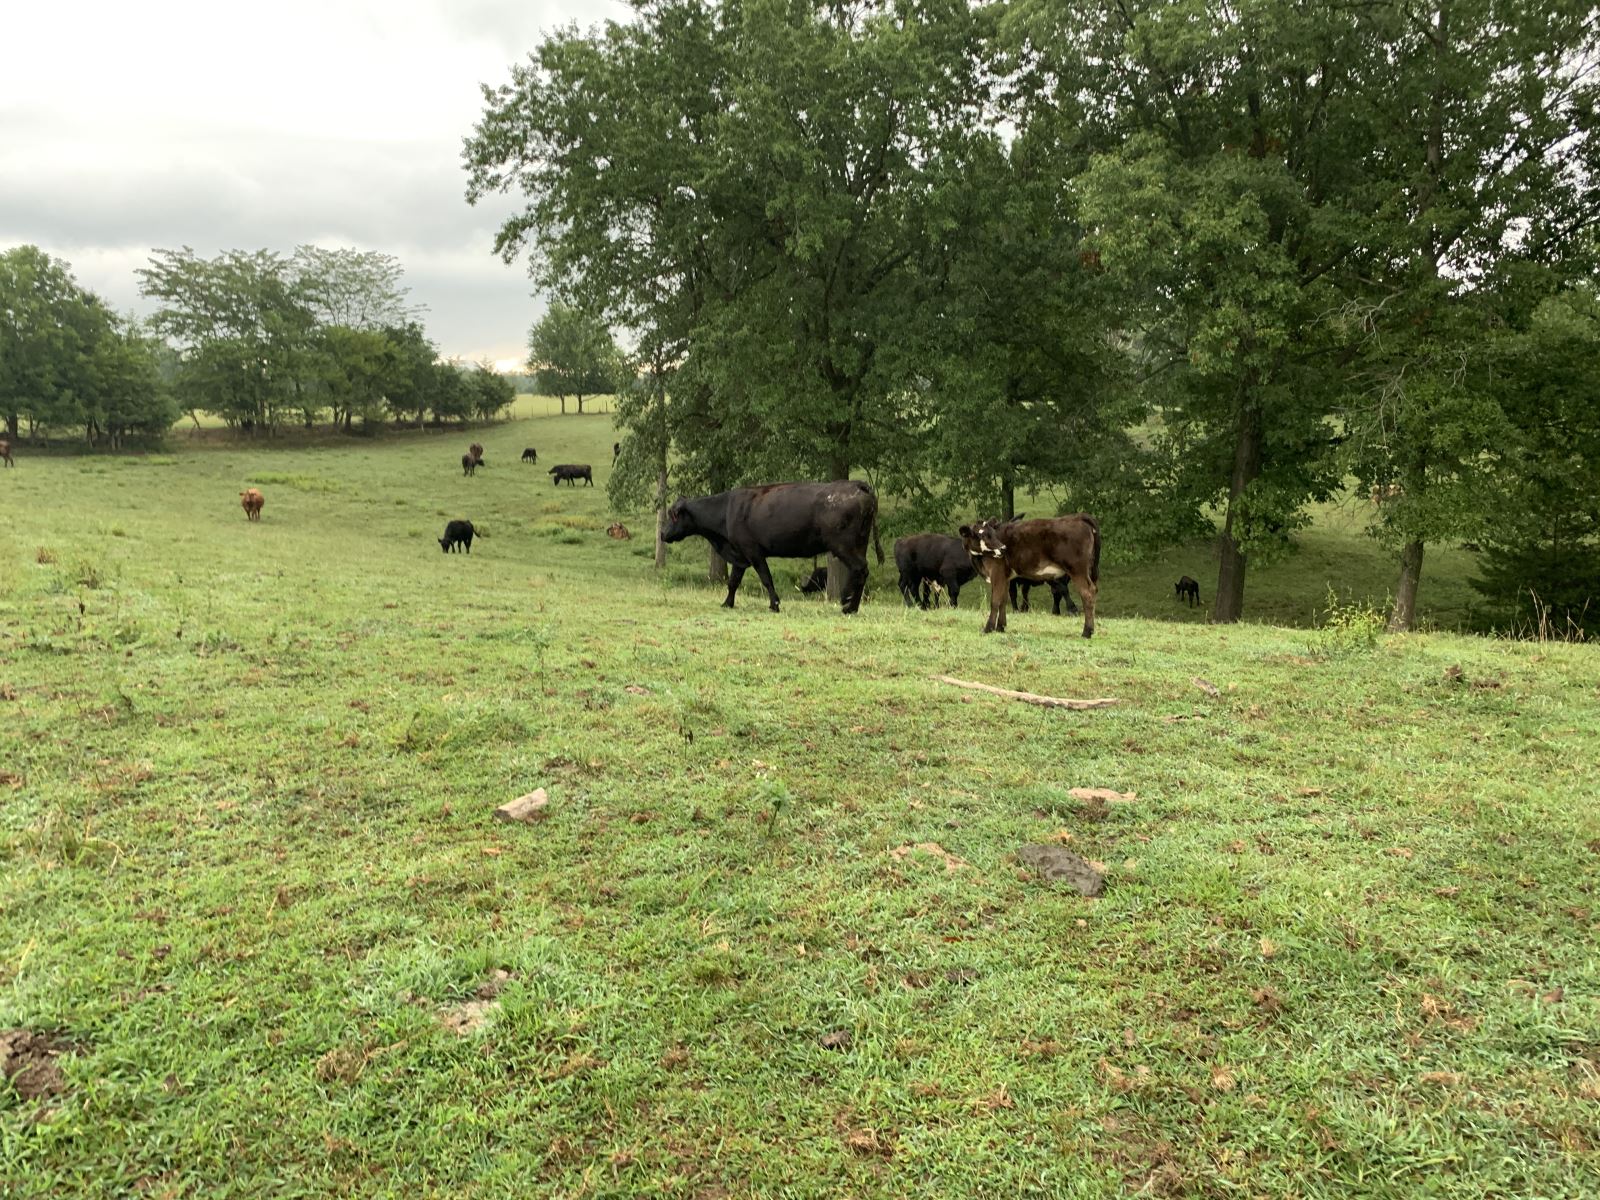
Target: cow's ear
x=966 y=531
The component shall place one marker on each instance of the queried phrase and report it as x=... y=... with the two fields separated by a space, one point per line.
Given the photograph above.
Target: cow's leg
x=999 y=593
x=953 y=586
x=765 y=575
x=855 y=583
x=908 y=589
x=735 y=578
x=1086 y=593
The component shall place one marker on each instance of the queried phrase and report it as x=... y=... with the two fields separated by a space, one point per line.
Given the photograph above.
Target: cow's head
x=680 y=522
x=983 y=540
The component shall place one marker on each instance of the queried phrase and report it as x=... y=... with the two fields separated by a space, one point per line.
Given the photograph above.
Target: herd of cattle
x=747 y=526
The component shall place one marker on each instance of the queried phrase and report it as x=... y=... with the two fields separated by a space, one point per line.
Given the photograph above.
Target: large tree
x=126 y=393
x=49 y=327
x=1482 y=168
x=244 y=326
x=572 y=353
x=753 y=191
x=1229 y=187
x=1539 y=518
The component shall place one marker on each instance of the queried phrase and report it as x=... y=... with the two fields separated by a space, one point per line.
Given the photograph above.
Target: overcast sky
x=180 y=122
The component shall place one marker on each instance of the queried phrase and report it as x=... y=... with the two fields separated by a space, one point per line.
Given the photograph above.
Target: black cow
x=572 y=472
x=530 y=455
x=815 y=582
x=458 y=534
x=932 y=558
x=469 y=465
x=749 y=525
x=616 y=449
x=1190 y=588
x=1021 y=588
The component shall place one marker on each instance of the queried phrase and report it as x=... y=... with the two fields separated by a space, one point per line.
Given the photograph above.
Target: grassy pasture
x=248 y=870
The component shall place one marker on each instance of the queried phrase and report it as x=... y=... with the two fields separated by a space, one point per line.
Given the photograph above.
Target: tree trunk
x=11 y=426
x=563 y=400
x=661 y=515
x=1228 y=604
x=580 y=404
x=1404 y=617
x=1008 y=495
x=716 y=567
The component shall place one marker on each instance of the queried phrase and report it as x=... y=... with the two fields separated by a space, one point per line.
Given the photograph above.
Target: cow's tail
x=876 y=544
x=1094 y=562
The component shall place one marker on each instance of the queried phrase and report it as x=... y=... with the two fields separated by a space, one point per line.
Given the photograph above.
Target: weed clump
x=1346 y=628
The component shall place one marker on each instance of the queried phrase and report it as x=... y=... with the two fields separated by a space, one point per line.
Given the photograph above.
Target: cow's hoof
x=773 y=607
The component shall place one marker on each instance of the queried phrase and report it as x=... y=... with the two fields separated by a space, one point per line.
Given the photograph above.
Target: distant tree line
x=258 y=339
x=1192 y=266
x=68 y=362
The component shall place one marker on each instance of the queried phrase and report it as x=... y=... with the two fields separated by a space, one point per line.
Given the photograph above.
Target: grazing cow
x=1021 y=597
x=572 y=472
x=5 y=452
x=530 y=455
x=469 y=465
x=251 y=500
x=459 y=534
x=1053 y=548
x=815 y=582
x=749 y=525
x=618 y=530
x=616 y=449
x=1189 y=588
x=932 y=558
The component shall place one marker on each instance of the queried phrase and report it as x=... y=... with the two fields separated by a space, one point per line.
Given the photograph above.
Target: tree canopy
x=1180 y=262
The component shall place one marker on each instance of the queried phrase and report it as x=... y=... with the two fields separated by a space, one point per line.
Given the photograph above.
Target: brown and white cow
x=1053 y=548
x=251 y=501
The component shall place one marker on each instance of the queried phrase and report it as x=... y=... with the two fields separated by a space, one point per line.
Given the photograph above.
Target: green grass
x=247 y=862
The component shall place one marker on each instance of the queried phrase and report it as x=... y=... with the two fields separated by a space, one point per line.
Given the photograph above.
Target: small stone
x=524 y=808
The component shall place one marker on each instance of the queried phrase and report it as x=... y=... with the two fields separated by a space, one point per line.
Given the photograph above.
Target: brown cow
x=5 y=452
x=469 y=465
x=618 y=530
x=251 y=500
x=1047 y=549
x=476 y=450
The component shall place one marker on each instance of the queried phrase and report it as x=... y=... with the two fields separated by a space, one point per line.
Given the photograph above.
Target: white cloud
x=126 y=127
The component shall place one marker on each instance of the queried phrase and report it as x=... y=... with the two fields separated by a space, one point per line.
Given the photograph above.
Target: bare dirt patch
x=469 y=1016
x=28 y=1060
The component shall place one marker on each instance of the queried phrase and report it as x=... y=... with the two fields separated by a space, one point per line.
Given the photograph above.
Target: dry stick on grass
x=1028 y=697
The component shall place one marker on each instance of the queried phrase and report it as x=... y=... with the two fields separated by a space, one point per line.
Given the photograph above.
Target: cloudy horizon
x=335 y=124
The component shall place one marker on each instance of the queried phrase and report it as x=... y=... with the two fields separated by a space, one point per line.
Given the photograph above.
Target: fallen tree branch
x=1028 y=697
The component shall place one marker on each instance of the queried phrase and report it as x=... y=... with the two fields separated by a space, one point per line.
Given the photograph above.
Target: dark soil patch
x=28 y=1060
